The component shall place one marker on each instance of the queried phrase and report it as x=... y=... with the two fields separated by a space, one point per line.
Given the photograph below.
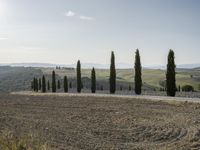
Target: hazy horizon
x=89 y=65
x=63 y=31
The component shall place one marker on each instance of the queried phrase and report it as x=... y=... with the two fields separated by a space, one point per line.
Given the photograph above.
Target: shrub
x=10 y=142
x=187 y=88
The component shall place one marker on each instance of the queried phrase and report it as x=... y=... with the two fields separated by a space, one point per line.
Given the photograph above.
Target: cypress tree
x=48 y=85
x=53 y=82
x=102 y=88
x=40 y=84
x=65 y=84
x=129 y=88
x=179 y=88
x=43 y=84
x=31 y=85
x=93 y=81
x=82 y=85
x=70 y=85
x=171 y=74
x=121 y=88
x=138 y=73
x=59 y=84
x=112 y=74
x=36 y=85
x=79 y=82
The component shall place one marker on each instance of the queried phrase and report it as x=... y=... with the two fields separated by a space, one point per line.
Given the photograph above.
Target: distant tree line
x=171 y=88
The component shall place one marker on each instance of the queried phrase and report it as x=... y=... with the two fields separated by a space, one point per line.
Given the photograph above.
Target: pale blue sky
x=63 y=31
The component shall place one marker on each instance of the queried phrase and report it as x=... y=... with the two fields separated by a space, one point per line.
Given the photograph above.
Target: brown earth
x=86 y=122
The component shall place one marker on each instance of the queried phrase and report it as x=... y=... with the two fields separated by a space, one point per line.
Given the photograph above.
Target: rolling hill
x=19 y=78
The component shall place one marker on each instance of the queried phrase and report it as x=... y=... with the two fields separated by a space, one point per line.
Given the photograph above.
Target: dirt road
x=147 y=97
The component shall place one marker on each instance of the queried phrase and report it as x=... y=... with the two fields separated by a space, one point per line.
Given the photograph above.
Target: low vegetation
x=188 y=88
x=9 y=141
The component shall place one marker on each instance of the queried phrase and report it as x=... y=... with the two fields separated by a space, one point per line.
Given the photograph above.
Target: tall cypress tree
x=48 y=85
x=65 y=84
x=112 y=74
x=59 y=84
x=36 y=85
x=43 y=84
x=129 y=88
x=31 y=85
x=101 y=87
x=40 y=84
x=93 y=81
x=171 y=74
x=121 y=88
x=53 y=82
x=70 y=85
x=138 y=73
x=79 y=82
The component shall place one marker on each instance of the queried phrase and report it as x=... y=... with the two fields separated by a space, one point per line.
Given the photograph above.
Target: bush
x=10 y=142
x=188 y=88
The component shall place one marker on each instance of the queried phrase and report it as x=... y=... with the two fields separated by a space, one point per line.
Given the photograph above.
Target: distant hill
x=17 y=78
x=83 y=65
x=99 y=66
x=198 y=68
x=189 y=66
x=45 y=65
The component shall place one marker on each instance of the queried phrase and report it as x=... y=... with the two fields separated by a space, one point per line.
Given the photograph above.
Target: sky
x=63 y=31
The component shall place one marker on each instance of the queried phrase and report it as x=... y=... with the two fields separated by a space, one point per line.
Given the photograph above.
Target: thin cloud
x=86 y=18
x=70 y=14
x=33 y=48
x=78 y=16
x=3 y=38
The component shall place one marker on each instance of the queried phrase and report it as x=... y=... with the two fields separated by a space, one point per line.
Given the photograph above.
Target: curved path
x=147 y=97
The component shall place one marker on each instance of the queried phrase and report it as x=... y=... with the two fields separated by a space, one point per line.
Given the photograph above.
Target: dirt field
x=86 y=122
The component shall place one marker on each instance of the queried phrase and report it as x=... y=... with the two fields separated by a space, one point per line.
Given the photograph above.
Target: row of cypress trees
x=138 y=74
x=41 y=85
x=79 y=81
x=170 y=74
x=170 y=77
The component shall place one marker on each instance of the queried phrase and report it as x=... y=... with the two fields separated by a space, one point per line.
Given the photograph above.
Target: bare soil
x=95 y=122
